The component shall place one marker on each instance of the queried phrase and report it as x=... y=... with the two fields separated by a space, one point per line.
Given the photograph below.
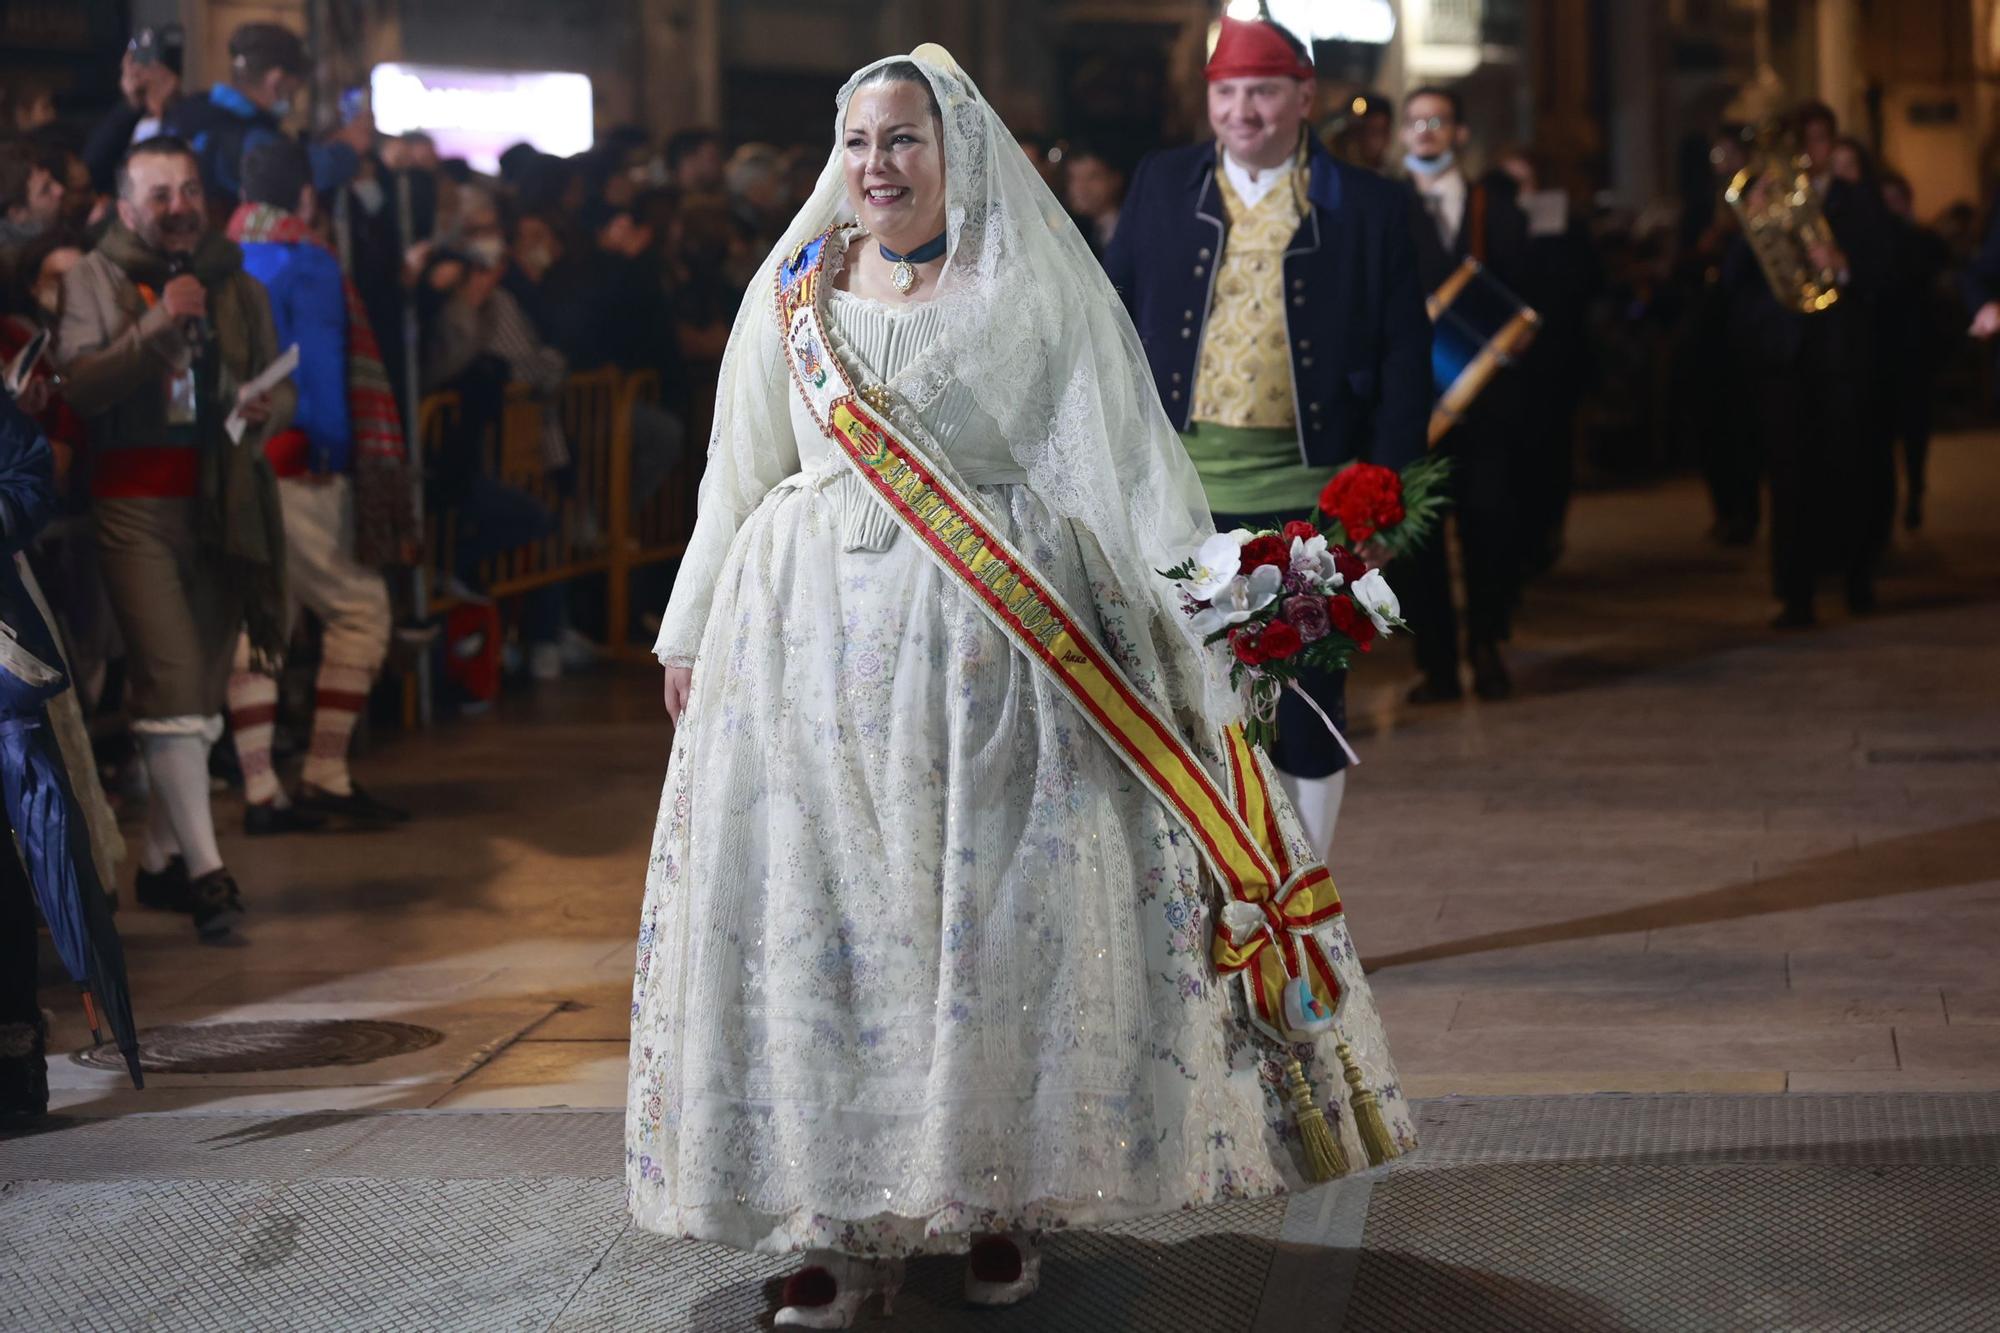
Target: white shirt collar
x=1450 y=181
x=1444 y=196
x=1252 y=189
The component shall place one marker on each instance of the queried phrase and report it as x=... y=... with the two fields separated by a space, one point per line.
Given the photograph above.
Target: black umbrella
x=54 y=842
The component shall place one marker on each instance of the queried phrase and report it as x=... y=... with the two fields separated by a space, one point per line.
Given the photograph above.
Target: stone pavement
x=1693 y=857
x=1698 y=1213
x=1695 y=854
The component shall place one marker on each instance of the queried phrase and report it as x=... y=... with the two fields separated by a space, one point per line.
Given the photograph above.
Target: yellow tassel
x=1324 y=1159
x=1367 y=1106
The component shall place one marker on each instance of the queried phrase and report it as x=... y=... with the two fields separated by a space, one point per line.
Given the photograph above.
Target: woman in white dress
x=925 y=964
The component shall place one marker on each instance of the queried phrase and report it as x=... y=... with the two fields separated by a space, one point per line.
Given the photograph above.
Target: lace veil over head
x=1032 y=326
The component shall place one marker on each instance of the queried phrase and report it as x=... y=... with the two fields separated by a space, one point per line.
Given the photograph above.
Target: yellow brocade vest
x=1244 y=376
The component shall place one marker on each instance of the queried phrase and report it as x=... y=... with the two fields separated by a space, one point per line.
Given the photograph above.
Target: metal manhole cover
x=245 y=1048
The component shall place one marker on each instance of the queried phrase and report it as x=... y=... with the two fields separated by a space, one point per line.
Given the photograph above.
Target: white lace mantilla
x=919 y=957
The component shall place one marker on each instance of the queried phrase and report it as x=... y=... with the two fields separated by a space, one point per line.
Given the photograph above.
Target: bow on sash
x=1269 y=940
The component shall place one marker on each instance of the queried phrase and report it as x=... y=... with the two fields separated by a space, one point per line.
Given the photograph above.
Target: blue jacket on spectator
x=225 y=125
x=1360 y=340
x=309 y=307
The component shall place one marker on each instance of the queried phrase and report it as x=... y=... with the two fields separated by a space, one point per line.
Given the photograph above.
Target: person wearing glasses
x=1456 y=218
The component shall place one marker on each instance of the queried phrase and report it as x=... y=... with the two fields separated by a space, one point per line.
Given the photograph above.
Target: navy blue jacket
x=1354 y=312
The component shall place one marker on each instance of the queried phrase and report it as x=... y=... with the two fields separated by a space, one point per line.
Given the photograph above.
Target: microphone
x=194 y=328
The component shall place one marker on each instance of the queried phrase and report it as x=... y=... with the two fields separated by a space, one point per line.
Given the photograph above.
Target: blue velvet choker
x=904 y=275
x=923 y=254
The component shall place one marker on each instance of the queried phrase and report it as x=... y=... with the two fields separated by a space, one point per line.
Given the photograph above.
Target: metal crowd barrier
x=600 y=531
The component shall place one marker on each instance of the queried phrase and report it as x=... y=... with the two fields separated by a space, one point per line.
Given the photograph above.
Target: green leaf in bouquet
x=1335 y=652
x=1425 y=501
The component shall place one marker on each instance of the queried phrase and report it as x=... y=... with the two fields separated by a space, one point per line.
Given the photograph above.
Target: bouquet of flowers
x=1303 y=596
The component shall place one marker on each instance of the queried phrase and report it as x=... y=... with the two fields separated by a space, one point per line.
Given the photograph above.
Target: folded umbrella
x=48 y=824
x=54 y=844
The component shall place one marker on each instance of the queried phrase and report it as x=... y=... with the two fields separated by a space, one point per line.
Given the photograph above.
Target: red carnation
x=1350 y=565
x=1266 y=550
x=1280 y=640
x=1351 y=620
x=1365 y=497
x=1244 y=644
x=1300 y=530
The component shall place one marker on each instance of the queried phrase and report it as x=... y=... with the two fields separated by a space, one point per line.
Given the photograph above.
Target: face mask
x=282 y=107
x=1430 y=166
x=486 y=250
x=368 y=193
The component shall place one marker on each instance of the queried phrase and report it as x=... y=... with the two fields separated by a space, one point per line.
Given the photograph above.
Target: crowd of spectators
x=155 y=260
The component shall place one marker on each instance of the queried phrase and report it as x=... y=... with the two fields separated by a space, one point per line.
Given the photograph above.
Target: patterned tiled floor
x=1669 y=1213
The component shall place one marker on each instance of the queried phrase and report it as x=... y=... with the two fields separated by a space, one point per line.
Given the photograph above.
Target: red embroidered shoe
x=1003 y=1270
x=829 y=1291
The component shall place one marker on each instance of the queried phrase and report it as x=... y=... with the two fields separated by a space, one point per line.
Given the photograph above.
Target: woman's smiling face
x=895 y=164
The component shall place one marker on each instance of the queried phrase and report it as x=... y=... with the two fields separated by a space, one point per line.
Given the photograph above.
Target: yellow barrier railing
x=599 y=529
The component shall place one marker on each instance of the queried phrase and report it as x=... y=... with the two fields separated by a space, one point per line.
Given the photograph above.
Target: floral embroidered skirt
x=919 y=958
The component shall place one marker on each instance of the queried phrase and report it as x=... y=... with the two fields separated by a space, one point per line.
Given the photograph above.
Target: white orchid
x=1216 y=563
x=1239 y=599
x=1311 y=559
x=1371 y=592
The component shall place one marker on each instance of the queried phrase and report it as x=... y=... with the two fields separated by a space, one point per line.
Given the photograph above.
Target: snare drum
x=1478 y=326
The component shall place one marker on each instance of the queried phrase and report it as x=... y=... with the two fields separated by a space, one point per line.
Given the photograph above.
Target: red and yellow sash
x=1236 y=829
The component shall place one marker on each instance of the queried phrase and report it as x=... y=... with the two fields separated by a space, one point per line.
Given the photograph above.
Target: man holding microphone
x=161 y=332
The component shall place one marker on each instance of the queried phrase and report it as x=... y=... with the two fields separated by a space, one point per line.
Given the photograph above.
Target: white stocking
x=158 y=848
x=1318 y=802
x=177 y=766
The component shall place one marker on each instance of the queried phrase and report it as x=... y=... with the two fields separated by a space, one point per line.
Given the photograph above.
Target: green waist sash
x=1253 y=469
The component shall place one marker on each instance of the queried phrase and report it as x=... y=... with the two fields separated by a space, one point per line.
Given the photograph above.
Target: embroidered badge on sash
x=809 y=360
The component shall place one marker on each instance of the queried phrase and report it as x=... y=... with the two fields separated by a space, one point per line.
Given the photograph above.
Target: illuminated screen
x=1325 y=20
x=477 y=114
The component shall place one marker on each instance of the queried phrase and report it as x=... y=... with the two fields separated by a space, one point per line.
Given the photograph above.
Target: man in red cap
x=1275 y=290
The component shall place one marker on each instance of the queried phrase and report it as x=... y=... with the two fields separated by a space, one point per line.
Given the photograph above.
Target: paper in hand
x=273 y=375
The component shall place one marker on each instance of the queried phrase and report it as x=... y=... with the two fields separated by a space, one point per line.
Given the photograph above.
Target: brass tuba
x=1774 y=198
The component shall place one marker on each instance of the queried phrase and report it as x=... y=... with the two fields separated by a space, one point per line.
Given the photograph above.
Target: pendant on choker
x=904 y=274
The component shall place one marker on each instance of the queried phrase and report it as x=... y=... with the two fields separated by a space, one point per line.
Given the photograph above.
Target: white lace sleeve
x=751 y=450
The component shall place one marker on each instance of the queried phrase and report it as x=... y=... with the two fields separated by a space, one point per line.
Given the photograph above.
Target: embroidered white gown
x=919 y=957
